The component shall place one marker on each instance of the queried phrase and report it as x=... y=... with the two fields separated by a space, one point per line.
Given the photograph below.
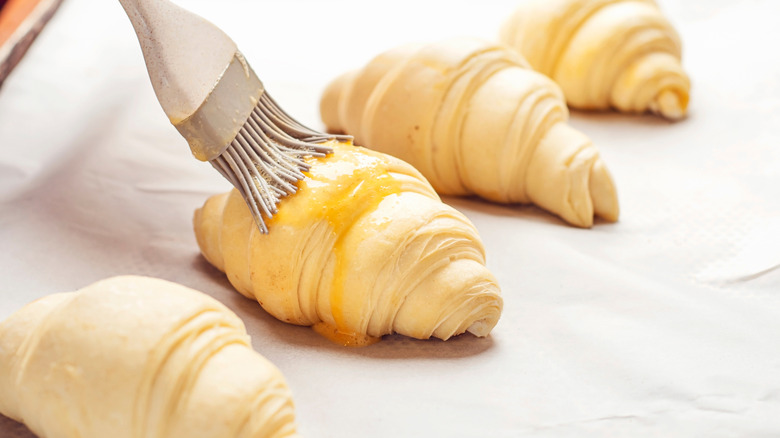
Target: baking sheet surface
x=664 y=324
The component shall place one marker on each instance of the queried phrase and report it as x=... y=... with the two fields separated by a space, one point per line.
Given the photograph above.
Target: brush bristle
x=266 y=159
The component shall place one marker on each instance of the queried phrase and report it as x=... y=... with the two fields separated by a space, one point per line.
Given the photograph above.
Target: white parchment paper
x=664 y=324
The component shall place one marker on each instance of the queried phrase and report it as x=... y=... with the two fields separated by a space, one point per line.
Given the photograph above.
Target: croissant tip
x=603 y=192
x=670 y=104
x=483 y=327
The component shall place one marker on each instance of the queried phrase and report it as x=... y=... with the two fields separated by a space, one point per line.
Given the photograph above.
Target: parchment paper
x=664 y=324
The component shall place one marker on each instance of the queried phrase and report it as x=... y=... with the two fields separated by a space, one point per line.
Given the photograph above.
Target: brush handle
x=185 y=54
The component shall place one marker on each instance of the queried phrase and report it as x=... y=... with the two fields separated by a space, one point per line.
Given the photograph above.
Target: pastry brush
x=220 y=106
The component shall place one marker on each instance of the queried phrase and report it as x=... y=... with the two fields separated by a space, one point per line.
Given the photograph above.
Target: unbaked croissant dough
x=474 y=119
x=365 y=247
x=135 y=357
x=604 y=53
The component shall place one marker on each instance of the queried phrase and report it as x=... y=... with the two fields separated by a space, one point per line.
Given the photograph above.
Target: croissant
x=138 y=357
x=364 y=248
x=604 y=53
x=474 y=119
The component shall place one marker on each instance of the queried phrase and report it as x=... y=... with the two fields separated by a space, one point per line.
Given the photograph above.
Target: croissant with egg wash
x=475 y=119
x=364 y=248
x=622 y=54
x=132 y=357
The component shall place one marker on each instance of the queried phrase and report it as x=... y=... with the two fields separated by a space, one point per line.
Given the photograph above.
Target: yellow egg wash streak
x=346 y=191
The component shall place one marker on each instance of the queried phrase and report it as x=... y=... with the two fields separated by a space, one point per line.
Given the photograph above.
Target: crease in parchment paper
x=757 y=256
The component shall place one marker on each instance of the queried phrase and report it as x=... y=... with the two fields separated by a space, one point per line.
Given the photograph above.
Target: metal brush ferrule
x=211 y=128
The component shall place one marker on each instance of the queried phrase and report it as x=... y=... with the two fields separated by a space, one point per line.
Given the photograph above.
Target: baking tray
x=20 y=23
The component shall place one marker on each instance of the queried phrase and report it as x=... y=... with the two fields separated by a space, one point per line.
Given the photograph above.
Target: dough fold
x=365 y=246
x=136 y=357
x=604 y=53
x=475 y=119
